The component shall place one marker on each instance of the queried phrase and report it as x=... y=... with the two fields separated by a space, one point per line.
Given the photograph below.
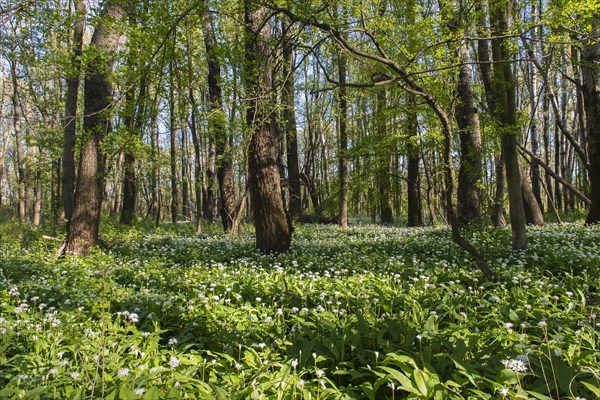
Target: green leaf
x=592 y=388
x=507 y=377
x=152 y=394
x=405 y=383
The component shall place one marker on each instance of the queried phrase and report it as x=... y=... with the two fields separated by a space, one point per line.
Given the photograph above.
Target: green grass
x=367 y=313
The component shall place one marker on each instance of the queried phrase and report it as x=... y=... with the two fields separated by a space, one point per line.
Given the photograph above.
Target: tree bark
x=273 y=233
x=85 y=221
x=415 y=212
x=506 y=115
x=70 y=121
x=467 y=119
x=18 y=144
x=533 y=212
x=383 y=161
x=342 y=100
x=289 y=116
x=590 y=71
x=217 y=121
x=173 y=148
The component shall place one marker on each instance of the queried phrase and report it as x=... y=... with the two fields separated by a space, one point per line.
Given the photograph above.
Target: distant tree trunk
x=533 y=108
x=289 y=116
x=218 y=128
x=557 y=164
x=184 y=174
x=497 y=215
x=506 y=115
x=3 y=150
x=155 y=175
x=18 y=143
x=133 y=122
x=546 y=142
x=590 y=68
x=415 y=213
x=484 y=59
x=194 y=134
x=533 y=212
x=343 y=140
x=467 y=119
x=116 y=185
x=273 y=233
x=383 y=161
x=37 y=202
x=70 y=121
x=83 y=229
x=173 y=148
x=210 y=200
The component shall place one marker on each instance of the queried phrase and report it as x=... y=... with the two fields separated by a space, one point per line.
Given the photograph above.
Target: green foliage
x=365 y=313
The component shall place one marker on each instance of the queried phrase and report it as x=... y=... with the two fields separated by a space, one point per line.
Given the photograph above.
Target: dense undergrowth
x=367 y=313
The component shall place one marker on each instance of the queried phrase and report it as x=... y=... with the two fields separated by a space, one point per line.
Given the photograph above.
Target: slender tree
x=70 y=121
x=342 y=99
x=289 y=117
x=503 y=88
x=217 y=121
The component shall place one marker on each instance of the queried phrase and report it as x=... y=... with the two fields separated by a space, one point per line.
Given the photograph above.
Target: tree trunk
x=467 y=119
x=184 y=174
x=289 y=116
x=533 y=212
x=343 y=140
x=155 y=173
x=590 y=71
x=173 y=148
x=497 y=215
x=415 y=213
x=273 y=233
x=217 y=121
x=383 y=160
x=195 y=137
x=70 y=122
x=83 y=229
x=506 y=115
x=116 y=185
x=134 y=123
x=37 y=202
x=18 y=144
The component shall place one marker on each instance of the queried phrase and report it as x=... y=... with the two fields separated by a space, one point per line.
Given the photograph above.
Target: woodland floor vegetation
x=364 y=313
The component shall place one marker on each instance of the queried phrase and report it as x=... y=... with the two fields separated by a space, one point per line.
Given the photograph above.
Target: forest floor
x=366 y=313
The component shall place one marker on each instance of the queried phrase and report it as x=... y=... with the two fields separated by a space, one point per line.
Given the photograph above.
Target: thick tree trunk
x=289 y=116
x=70 y=121
x=506 y=115
x=590 y=68
x=273 y=233
x=83 y=229
x=497 y=215
x=217 y=121
x=467 y=119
